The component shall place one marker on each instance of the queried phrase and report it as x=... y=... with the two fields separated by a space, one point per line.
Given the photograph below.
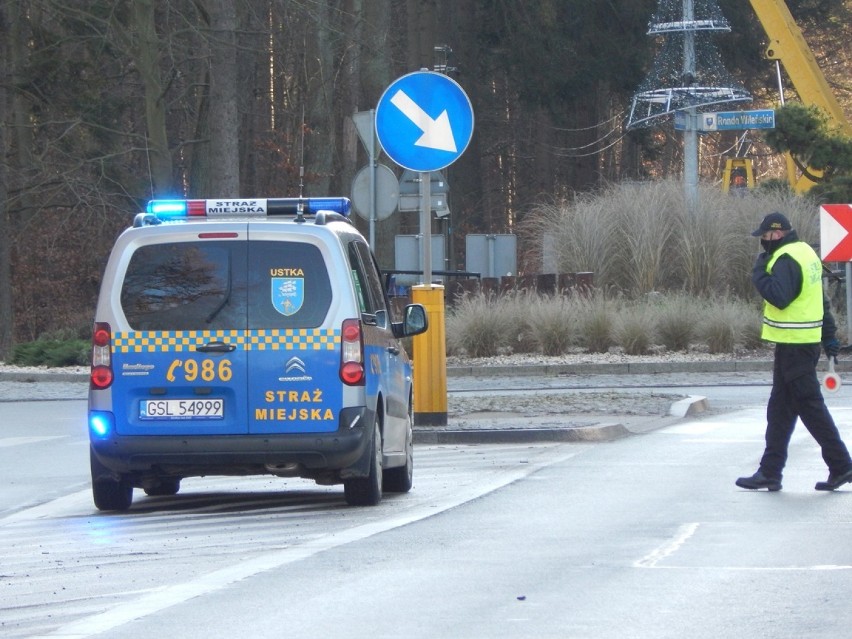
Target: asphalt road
x=645 y=536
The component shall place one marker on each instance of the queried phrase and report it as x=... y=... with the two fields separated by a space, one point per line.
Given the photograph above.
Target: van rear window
x=217 y=285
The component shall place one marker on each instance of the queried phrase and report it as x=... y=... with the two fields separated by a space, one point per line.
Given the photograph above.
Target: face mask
x=770 y=245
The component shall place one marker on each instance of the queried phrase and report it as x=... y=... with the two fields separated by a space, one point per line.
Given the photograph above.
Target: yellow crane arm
x=787 y=44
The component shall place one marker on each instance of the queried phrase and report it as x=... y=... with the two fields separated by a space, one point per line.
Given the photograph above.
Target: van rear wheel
x=367 y=491
x=109 y=493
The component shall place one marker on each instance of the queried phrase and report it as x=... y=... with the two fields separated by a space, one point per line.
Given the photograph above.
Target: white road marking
x=669 y=548
x=8 y=442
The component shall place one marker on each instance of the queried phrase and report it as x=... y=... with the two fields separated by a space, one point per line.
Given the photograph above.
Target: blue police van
x=244 y=337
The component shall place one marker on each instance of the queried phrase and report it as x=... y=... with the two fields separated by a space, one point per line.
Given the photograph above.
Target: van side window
x=359 y=280
x=368 y=279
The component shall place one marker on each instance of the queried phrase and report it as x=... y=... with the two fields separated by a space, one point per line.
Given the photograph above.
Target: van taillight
x=101 y=374
x=351 y=353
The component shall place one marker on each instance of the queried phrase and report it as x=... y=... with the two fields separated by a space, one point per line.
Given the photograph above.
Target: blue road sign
x=424 y=121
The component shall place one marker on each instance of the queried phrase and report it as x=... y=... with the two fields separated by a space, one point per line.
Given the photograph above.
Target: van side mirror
x=415 y=321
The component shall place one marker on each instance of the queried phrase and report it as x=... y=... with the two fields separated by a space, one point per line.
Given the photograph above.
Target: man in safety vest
x=797 y=318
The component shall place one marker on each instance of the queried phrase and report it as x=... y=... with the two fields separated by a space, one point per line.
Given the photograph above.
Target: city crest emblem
x=288 y=294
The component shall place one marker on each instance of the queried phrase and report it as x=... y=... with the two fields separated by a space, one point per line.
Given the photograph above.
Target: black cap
x=773 y=222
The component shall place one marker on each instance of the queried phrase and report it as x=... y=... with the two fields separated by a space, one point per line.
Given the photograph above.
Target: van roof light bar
x=260 y=207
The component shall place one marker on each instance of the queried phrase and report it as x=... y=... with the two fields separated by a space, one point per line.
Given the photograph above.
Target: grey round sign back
x=387 y=192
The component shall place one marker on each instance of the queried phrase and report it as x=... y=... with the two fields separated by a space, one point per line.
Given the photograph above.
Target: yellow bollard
x=430 y=359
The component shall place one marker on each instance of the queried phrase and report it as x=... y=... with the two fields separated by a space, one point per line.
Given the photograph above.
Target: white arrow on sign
x=437 y=133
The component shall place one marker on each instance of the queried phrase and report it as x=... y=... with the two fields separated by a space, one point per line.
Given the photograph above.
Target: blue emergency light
x=259 y=207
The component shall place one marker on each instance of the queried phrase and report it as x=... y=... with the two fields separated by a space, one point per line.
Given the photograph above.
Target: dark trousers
x=796 y=393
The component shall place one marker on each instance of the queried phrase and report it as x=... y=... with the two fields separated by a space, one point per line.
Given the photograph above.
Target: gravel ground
x=565 y=403
x=612 y=357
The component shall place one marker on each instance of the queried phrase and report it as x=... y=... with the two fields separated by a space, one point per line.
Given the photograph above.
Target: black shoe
x=759 y=480
x=834 y=481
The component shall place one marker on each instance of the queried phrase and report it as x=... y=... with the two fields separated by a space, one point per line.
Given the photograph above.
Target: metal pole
x=690 y=134
x=373 y=167
x=848 y=303
x=426 y=227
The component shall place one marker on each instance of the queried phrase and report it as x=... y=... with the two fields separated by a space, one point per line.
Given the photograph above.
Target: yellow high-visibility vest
x=801 y=321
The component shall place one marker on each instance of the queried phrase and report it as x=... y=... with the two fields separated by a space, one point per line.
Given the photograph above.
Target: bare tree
x=224 y=116
x=6 y=308
x=146 y=48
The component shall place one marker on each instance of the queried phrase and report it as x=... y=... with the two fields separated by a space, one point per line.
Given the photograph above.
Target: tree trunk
x=253 y=72
x=146 y=52
x=6 y=311
x=224 y=118
x=320 y=124
x=376 y=75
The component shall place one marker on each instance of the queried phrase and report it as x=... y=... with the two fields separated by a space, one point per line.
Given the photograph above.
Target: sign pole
x=373 y=164
x=426 y=229
x=848 y=303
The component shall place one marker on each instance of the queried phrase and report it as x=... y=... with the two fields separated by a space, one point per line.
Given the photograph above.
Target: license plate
x=182 y=409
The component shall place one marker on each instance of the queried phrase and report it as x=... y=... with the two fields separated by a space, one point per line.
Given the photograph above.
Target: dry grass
x=675 y=278
x=639 y=238
x=486 y=325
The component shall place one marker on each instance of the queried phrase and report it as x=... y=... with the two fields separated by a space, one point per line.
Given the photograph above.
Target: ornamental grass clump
x=475 y=327
x=516 y=310
x=634 y=330
x=598 y=323
x=552 y=323
x=641 y=237
x=724 y=325
x=676 y=318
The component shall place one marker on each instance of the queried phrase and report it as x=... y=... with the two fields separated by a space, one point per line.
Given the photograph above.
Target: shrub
x=53 y=353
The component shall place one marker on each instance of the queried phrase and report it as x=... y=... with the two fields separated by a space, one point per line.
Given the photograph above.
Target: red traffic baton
x=831 y=381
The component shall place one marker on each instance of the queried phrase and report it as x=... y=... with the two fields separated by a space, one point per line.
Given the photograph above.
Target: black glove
x=758 y=271
x=832 y=348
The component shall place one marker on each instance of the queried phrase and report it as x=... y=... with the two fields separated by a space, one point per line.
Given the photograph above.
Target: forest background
x=104 y=104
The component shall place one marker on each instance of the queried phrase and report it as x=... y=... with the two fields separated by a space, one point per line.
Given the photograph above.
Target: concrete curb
x=31 y=378
x=449 y=435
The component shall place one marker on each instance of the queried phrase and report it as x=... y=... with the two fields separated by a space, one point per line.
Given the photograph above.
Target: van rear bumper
x=309 y=454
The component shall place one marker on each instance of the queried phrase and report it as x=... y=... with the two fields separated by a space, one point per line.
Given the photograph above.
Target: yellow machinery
x=738 y=175
x=788 y=45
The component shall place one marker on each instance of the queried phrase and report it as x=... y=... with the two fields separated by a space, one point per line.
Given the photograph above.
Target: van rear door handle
x=216 y=347
x=393 y=350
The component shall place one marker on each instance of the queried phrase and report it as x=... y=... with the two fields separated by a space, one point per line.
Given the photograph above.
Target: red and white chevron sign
x=835 y=232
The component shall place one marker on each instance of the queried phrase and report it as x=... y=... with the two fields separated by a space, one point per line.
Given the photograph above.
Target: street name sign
x=737 y=120
x=835 y=232
x=424 y=121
